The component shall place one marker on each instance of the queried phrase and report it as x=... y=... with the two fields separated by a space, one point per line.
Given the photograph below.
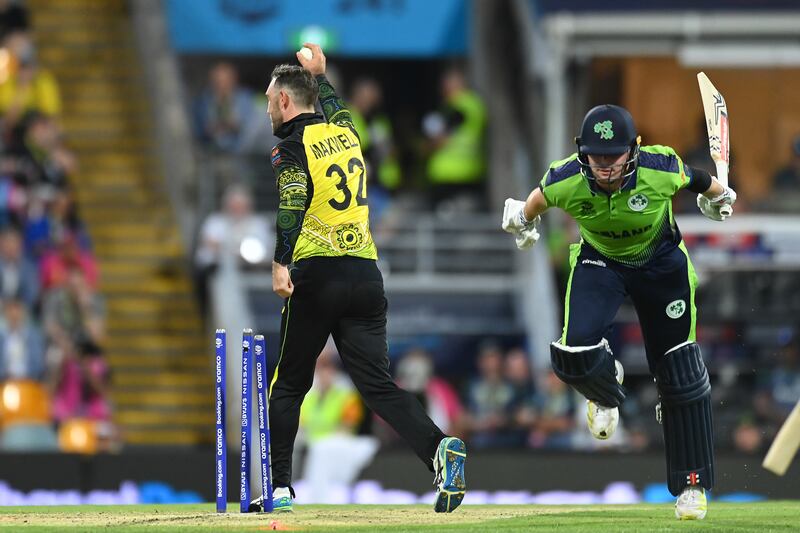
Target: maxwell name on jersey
x=334 y=144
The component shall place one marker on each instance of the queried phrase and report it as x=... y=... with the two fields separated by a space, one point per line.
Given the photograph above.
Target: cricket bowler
x=620 y=194
x=325 y=268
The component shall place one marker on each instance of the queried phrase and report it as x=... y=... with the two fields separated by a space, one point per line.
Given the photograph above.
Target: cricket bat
x=785 y=445
x=719 y=143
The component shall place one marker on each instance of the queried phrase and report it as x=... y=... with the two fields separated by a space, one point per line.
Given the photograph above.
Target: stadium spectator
x=377 y=144
x=40 y=158
x=523 y=408
x=415 y=374
x=82 y=385
x=748 y=436
x=28 y=88
x=19 y=277
x=556 y=415
x=788 y=177
x=13 y=198
x=13 y=17
x=22 y=350
x=73 y=313
x=236 y=234
x=489 y=401
x=52 y=222
x=56 y=264
x=780 y=387
x=457 y=166
x=223 y=110
x=257 y=136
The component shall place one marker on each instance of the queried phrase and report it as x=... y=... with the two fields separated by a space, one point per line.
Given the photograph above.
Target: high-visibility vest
x=324 y=414
x=387 y=168
x=460 y=160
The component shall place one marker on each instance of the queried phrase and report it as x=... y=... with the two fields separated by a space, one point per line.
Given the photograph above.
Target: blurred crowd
x=54 y=379
x=506 y=404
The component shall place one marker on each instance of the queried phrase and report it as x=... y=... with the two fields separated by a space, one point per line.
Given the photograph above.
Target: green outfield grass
x=761 y=517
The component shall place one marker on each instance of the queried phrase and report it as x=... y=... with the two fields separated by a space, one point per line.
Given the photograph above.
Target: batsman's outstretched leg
x=685 y=391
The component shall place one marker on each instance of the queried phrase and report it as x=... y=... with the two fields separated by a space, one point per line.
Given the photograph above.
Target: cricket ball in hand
x=306 y=53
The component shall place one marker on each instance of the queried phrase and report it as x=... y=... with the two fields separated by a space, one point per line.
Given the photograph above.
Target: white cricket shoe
x=603 y=420
x=281 y=501
x=691 y=504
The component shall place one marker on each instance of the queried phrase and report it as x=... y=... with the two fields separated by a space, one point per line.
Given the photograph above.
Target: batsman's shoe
x=691 y=504
x=281 y=501
x=603 y=420
x=448 y=463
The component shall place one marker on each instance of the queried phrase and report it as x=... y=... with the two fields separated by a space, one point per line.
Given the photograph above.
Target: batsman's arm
x=714 y=189
x=714 y=199
x=535 y=205
x=704 y=183
x=522 y=218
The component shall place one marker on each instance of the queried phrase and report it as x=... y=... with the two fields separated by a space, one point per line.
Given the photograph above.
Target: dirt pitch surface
x=761 y=517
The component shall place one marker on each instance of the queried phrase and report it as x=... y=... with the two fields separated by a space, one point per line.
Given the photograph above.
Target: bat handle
x=722 y=177
x=722 y=172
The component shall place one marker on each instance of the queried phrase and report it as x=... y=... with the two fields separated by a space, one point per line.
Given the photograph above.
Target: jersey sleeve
x=557 y=176
x=683 y=178
x=293 y=193
x=547 y=193
x=333 y=107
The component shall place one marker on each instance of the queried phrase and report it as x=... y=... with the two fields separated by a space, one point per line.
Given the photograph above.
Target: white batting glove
x=525 y=231
x=718 y=208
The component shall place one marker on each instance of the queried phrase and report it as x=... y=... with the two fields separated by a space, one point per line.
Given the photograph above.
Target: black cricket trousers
x=342 y=297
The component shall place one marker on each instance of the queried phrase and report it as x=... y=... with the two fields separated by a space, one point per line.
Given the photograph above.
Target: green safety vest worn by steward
x=389 y=174
x=635 y=223
x=460 y=160
x=322 y=415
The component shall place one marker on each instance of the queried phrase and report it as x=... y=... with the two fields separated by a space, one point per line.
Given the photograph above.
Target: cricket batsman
x=620 y=194
x=325 y=268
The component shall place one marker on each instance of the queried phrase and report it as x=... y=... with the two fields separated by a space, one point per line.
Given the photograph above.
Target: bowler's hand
x=315 y=65
x=281 y=281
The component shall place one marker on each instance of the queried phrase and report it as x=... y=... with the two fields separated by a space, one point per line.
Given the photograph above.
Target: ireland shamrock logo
x=604 y=129
x=676 y=309
x=638 y=202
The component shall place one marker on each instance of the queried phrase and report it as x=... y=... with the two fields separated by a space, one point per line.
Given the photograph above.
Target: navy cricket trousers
x=662 y=293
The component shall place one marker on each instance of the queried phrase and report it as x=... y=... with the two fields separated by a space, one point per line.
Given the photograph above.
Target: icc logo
x=258 y=349
x=218 y=343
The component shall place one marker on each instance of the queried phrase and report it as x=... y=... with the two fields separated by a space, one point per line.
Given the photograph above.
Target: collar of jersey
x=629 y=186
x=289 y=127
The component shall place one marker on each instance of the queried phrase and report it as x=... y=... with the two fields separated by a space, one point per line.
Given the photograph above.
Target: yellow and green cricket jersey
x=322 y=184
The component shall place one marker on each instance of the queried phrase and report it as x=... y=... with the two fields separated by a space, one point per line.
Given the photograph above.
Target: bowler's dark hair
x=298 y=82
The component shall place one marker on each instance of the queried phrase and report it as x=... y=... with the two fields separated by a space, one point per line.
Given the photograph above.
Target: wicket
x=250 y=344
